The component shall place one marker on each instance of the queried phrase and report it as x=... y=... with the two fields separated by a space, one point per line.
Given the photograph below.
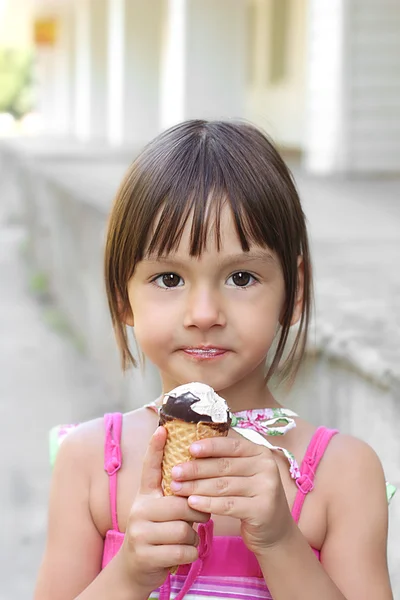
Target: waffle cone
x=180 y=436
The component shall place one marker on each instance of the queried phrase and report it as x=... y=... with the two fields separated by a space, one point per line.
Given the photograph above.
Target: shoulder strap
x=311 y=460
x=113 y=458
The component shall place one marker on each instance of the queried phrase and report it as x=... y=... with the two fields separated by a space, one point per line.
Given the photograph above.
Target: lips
x=205 y=351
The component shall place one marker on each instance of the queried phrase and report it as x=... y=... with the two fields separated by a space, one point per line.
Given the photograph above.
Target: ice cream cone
x=189 y=413
x=180 y=436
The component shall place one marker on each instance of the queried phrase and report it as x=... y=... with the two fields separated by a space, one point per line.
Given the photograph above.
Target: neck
x=248 y=395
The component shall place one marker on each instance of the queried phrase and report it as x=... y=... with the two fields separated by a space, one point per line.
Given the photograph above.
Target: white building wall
x=353 y=91
x=373 y=73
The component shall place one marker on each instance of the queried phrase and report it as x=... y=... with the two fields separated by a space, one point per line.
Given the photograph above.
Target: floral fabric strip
x=257 y=423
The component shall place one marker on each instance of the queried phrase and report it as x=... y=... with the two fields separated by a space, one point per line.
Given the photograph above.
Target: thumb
x=151 y=471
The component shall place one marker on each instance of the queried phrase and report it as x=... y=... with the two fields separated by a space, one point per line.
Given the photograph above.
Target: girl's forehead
x=222 y=241
x=220 y=236
x=220 y=224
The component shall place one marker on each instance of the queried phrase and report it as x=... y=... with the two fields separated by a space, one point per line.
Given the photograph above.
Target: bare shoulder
x=352 y=463
x=83 y=440
x=88 y=438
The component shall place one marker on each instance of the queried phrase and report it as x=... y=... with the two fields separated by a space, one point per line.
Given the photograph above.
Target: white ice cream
x=209 y=403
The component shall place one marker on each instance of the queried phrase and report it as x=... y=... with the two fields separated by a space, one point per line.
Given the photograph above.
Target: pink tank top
x=225 y=567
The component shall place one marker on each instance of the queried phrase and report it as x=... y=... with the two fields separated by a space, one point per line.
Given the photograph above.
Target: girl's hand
x=235 y=477
x=159 y=532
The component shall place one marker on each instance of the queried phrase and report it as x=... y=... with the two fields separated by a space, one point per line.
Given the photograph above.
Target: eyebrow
x=252 y=255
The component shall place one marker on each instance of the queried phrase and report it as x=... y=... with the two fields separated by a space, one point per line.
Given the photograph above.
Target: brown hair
x=178 y=174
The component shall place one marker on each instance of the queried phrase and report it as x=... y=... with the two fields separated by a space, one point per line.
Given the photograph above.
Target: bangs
x=194 y=181
x=203 y=210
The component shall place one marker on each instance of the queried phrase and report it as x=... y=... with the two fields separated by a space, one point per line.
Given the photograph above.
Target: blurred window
x=251 y=42
x=278 y=39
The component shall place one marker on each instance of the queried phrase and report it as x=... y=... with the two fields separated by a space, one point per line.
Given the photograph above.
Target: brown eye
x=241 y=279
x=170 y=280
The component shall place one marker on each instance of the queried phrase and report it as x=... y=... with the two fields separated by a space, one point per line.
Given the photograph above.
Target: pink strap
x=112 y=458
x=311 y=460
x=206 y=532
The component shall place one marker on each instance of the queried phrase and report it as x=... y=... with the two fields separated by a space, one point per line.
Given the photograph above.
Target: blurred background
x=84 y=84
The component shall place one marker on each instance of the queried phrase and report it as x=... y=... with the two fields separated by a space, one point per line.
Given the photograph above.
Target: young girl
x=207 y=260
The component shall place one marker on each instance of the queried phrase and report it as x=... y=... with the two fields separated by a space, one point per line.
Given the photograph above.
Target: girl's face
x=210 y=319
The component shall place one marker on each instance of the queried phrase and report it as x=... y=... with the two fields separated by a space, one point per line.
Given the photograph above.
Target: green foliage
x=39 y=283
x=16 y=81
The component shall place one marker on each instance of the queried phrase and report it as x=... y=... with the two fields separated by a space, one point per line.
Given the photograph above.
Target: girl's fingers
x=229 y=506
x=176 y=532
x=216 y=487
x=172 y=508
x=151 y=471
x=171 y=555
x=215 y=467
x=232 y=445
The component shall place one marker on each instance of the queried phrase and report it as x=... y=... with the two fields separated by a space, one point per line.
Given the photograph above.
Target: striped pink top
x=225 y=567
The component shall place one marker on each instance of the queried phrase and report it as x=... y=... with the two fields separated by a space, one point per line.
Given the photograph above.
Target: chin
x=219 y=384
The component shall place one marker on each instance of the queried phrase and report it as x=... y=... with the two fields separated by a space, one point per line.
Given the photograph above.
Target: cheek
x=260 y=319
x=262 y=310
x=153 y=328
x=260 y=328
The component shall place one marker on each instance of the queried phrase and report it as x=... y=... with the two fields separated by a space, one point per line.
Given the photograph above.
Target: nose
x=204 y=309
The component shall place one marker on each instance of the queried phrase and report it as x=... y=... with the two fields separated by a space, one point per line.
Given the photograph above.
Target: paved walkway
x=43 y=381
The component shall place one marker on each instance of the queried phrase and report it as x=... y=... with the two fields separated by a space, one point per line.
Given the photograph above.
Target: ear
x=298 y=306
x=125 y=313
